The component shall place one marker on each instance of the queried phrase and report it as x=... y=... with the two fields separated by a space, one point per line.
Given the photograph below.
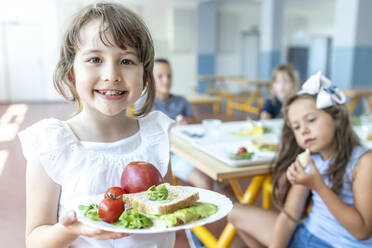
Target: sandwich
x=265 y=144
x=174 y=198
x=172 y=205
x=304 y=158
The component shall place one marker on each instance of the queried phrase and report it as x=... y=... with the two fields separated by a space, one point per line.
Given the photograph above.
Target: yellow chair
x=251 y=102
x=266 y=193
x=131 y=110
x=174 y=180
x=356 y=95
x=244 y=104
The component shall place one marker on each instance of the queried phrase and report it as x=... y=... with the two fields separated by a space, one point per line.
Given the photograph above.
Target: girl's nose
x=305 y=129
x=111 y=74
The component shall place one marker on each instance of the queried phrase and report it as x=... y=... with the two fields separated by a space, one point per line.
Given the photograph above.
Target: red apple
x=138 y=176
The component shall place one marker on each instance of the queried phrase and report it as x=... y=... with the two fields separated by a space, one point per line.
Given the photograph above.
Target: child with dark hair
x=179 y=109
x=337 y=178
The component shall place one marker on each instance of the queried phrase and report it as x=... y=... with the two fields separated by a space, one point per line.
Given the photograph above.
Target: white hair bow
x=327 y=95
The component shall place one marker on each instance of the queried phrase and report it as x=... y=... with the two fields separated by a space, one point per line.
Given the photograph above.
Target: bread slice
x=178 y=197
x=265 y=144
x=304 y=158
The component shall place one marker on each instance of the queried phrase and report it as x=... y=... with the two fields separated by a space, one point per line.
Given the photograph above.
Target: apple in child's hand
x=111 y=208
x=138 y=176
x=115 y=191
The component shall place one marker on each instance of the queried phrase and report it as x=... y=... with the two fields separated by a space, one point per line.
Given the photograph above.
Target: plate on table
x=223 y=203
x=223 y=152
x=265 y=145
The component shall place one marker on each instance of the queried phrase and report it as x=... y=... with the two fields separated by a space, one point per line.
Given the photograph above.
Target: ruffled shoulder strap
x=45 y=136
x=154 y=129
x=48 y=141
x=154 y=125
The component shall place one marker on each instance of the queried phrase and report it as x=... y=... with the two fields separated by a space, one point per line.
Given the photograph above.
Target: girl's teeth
x=111 y=93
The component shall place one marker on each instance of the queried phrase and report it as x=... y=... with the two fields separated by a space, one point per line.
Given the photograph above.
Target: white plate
x=223 y=203
x=222 y=151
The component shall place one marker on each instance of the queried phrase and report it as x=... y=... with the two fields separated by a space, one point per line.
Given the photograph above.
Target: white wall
x=3 y=76
x=234 y=18
x=302 y=19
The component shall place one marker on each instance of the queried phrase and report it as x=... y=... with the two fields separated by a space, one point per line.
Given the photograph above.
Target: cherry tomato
x=242 y=150
x=111 y=208
x=115 y=191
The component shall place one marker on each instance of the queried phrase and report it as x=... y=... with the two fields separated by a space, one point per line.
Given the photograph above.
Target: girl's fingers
x=68 y=219
x=299 y=166
x=291 y=175
x=102 y=235
x=311 y=163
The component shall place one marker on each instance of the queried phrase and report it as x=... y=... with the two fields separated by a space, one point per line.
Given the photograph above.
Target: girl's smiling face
x=107 y=78
x=313 y=128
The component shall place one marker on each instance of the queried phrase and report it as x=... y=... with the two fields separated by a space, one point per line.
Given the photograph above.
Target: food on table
x=115 y=191
x=265 y=144
x=255 y=131
x=111 y=208
x=177 y=208
x=242 y=153
x=138 y=176
x=242 y=150
x=304 y=158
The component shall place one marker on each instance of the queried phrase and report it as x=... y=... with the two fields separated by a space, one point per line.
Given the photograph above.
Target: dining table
x=209 y=150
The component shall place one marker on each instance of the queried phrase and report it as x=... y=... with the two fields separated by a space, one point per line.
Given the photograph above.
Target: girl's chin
x=112 y=112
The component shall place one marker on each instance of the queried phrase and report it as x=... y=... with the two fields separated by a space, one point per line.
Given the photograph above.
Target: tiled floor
x=14 y=118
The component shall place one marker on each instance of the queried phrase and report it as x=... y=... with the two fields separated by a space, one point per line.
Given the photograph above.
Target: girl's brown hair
x=127 y=30
x=292 y=73
x=344 y=141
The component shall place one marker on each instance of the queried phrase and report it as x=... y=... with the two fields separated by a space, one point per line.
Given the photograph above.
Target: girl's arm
x=356 y=220
x=183 y=120
x=42 y=226
x=284 y=226
x=42 y=197
x=265 y=115
x=191 y=119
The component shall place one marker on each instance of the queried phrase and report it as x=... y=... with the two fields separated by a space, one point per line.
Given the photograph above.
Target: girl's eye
x=95 y=60
x=295 y=127
x=127 y=62
x=312 y=119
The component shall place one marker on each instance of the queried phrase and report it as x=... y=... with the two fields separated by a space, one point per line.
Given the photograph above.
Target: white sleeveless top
x=90 y=168
x=321 y=221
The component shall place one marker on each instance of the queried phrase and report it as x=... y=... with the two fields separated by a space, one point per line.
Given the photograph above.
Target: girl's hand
x=75 y=227
x=181 y=120
x=312 y=179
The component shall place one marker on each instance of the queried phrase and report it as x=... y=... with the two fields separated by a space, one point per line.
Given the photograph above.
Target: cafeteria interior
x=225 y=57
